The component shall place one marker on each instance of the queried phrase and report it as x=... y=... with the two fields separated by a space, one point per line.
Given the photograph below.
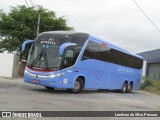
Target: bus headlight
x=52 y=76
x=26 y=71
x=43 y=76
x=56 y=75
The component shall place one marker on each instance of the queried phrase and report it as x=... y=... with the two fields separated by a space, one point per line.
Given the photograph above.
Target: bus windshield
x=44 y=57
x=44 y=53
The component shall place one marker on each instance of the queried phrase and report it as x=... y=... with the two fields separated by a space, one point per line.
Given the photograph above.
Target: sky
x=117 y=21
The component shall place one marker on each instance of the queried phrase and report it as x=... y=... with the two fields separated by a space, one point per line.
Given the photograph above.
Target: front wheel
x=49 y=88
x=78 y=86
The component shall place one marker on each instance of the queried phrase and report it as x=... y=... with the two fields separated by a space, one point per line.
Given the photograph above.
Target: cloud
x=117 y=21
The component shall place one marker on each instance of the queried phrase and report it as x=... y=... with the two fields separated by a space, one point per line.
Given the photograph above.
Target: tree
x=20 y=24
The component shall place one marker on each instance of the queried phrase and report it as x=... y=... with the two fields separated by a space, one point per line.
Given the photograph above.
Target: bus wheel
x=130 y=87
x=78 y=86
x=124 y=87
x=49 y=88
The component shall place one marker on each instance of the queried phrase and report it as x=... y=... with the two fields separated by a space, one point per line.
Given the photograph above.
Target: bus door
x=67 y=69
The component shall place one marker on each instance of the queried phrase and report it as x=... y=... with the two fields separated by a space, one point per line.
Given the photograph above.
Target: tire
x=130 y=87
x=78 y=86
x=49 y=88
x=124 y=87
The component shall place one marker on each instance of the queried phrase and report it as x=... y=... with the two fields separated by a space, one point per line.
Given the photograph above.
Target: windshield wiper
x=45 y=59
x=42 y=54
x=37 y=58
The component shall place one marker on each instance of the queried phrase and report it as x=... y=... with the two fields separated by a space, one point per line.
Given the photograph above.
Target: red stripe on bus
x=39 y=70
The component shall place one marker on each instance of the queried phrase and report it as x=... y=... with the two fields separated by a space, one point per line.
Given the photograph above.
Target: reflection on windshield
x=44 y=53
x=44 y=57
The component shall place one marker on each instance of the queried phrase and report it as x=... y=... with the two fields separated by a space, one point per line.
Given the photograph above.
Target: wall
x=9 y=65
x=15 y=66
x=144 y=68
x=154 y=71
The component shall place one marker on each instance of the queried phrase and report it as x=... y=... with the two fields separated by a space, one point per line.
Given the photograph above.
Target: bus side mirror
x=63 y=46
x=25 y=43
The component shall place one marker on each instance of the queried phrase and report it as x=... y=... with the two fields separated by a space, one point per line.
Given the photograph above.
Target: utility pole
x=38 y=23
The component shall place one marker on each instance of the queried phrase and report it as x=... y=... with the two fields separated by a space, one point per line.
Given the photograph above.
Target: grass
x=151 y=85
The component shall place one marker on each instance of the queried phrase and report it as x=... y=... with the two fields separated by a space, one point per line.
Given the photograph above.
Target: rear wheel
x=124 y=87
x=130 y=87
x=78 y=86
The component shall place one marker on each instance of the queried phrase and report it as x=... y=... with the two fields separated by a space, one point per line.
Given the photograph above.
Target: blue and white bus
x=77 y=61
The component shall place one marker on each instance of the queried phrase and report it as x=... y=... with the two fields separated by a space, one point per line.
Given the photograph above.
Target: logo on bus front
x=47 y=42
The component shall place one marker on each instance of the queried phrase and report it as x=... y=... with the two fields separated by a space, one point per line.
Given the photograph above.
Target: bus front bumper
x=50 y=82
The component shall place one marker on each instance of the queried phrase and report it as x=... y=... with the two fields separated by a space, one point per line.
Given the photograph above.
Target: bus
x=75 y=61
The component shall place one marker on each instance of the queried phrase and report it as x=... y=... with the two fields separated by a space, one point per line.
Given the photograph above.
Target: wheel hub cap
x=76 y=86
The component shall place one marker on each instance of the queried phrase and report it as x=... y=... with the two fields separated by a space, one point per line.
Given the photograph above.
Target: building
x=9 y=64
x=151 y=64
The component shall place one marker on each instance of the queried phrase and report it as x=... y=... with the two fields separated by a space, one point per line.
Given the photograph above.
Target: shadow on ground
x=60 y=91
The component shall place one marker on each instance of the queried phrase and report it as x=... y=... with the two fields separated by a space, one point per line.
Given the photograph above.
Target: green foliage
x=147 y=82
x=20 y=24
x=151 y=85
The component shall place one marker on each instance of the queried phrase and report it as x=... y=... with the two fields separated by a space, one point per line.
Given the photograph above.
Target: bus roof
x=65 y=33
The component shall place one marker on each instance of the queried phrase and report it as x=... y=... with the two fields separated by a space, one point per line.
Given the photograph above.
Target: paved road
x=19 y=96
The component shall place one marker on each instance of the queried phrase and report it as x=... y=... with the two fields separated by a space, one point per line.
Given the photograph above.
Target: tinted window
x=91 y=50
x=78 y=40
x=104 y=53
x=124 y=59
x=68 y=58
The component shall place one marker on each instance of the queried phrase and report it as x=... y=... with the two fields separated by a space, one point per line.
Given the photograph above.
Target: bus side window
x=68 y=60
x=91 y=50
x=104 y=52
x=76 y=54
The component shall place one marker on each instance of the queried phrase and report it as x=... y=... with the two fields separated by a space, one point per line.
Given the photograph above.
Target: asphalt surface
x=16 y=95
